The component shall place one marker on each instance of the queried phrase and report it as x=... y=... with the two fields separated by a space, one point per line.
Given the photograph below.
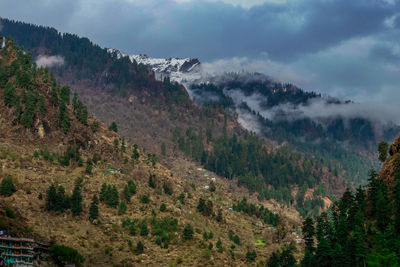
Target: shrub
x=139 y=247
x=145 y=199
x=10 y=213
x=7 y=187
x=251 y=256
x=64 y=255
x=163 y=207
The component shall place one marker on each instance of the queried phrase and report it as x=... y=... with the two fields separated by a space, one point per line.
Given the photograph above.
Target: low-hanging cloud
x=320 y=109
x=49 y=61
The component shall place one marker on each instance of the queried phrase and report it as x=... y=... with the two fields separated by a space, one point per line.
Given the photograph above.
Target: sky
x=345 y=48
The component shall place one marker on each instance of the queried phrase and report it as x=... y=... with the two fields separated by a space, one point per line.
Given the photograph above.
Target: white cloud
x=49 y=61
x=280 y=71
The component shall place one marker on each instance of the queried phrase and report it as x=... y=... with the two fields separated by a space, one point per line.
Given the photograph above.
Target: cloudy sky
x=345 y=48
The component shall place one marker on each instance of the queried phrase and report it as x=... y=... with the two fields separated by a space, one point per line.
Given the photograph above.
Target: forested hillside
x=71 y=182
x=162 y=119
x=284 y=113
x=361 y=229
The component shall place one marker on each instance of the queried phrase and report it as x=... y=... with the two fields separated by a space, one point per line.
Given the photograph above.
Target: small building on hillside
x=16 y=251
x=20 y=251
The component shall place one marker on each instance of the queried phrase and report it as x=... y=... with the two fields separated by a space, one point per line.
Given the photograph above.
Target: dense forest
x=89 y=61
x=336 y=141
x=272 y=174
x=361 y=229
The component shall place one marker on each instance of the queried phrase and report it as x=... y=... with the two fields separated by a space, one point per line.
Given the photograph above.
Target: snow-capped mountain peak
x=176 y=68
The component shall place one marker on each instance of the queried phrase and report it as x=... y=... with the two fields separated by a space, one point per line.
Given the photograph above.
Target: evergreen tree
x=139 y=247
x=103 y=192
x=122 y=208
x=219 y=216
x=76 y=200
x=383 y=148
x=10 y=95
x=251 y=256
x=94 y=208
x=219 y=245
x=308 y=232
x=383 y=209
x=113 y=127
x=396 y=203
x=123 y=146
x=135 y=153
x=144 y=231
x=7 y=187
x=113 y=198
x=151 y=181
x=200 y=206
x=89 y=166
x=188 y=232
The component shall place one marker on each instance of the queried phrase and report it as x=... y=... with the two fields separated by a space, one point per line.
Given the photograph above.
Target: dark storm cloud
x=209 y=30
x=346 y=48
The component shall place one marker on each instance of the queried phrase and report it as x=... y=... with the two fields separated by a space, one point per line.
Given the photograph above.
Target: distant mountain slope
x=66 y=178
x=342 y=134
x=162 y=117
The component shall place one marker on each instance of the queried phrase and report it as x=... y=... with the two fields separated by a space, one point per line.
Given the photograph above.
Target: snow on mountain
x=178 y=69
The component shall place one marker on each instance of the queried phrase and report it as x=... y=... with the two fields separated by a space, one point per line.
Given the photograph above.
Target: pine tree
x=123 y=146
x=10 y=96
x=122 y=208
x=151 y=181
x=163 y=207
x=200 y=206
x=113 y=127
x=383 y=209
x=135 y=153
x=139 y=247
x=188 y=232
x=308 y=232
x=89 y=166
x=94 y=208
x=144 y=231
x=103 y=192
x=51 y=198
x=113 y=198
x=76 y=200
x=219 y=245
x=219 y=216
x=383 y=148
x=396 y=203
x=7 y=187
